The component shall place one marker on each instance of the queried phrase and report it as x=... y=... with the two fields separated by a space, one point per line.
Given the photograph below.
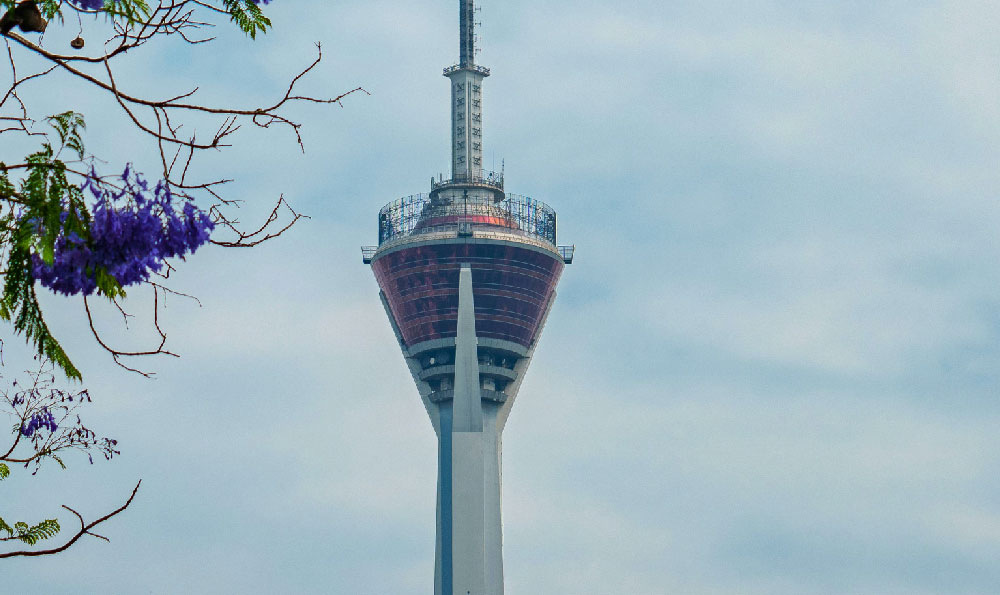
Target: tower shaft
x=469 y=556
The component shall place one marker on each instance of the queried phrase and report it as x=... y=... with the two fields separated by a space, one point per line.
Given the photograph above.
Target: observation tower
x=467 y=274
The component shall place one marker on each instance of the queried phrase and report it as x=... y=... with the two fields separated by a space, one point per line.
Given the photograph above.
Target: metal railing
x=474 y=67
x=419 y=214
x=477 y=176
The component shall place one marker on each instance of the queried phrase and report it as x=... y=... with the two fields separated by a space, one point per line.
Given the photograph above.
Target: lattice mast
x=467 y=32
x=466 y=100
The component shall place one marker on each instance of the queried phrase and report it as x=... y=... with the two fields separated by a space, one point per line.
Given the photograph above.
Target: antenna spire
x=467 y=33
x=466 y=100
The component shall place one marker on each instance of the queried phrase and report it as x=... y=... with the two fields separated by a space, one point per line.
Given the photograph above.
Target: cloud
x=772 y=368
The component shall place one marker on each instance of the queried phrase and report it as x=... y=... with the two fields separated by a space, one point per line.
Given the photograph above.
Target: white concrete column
x=469 y=558
x=468 y=403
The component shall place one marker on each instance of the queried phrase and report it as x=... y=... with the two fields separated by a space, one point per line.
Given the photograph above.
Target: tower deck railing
x=474 y=67
x=477 y=177
x=422 y=213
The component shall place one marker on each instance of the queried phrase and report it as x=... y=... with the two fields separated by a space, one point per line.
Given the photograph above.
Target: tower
x=467 y=275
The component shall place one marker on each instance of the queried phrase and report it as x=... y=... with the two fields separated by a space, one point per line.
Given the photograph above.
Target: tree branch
x=84 y=530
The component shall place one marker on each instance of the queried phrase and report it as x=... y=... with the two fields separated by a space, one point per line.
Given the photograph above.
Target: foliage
x=47 y=425
x=19 y=303
x=30 y=534
x=47 y=207
x=66 y=227
x=248 y=16
x=51 y=237
x=245 y=13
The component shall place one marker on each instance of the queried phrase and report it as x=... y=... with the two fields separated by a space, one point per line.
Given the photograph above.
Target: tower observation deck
x=467 y=275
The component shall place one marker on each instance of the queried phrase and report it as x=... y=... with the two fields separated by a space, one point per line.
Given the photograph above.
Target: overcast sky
x=773 y=368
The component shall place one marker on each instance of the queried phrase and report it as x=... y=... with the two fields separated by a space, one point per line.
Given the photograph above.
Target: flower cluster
x=50 y=420
x=42 y=419
x=133 y=231
x=89 y=4
x=99 y=4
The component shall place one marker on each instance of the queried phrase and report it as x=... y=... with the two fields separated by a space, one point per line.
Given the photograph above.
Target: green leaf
x=5 y=527
x=4 y=472
x=20 y=304
x=32 y=535
x=6 y=188
x=247 y=16
x=107 y=285
x=51 y=207
x=68 y=125
x=132 y=11
x=28 y=534
x=49 y=8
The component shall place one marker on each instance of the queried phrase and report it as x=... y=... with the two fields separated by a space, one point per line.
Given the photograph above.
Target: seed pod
x=76 y=43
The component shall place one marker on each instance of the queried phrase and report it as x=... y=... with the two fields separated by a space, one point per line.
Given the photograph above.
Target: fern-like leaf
x=49 y=8
x=68 y=125
x=132 y=11
x=107 y=285
x=247 y=16
x=6 y=188
x=7 y=528
x=51 y=207
x=32 y=535
x=20 y=304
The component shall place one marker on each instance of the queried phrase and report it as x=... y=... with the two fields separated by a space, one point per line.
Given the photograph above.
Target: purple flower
x=42 y=419
x=99 y=4
x=88 y=4
x=132 y=233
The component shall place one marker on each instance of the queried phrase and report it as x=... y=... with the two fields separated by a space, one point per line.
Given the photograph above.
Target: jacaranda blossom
x=42 y=419
x=88 y=4
x=133 y=232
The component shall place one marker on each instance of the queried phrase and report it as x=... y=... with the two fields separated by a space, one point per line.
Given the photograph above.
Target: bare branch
x=116 y=355
x=253 y=238
x=84 y=529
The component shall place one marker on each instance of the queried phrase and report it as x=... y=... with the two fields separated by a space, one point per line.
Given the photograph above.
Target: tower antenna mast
x=467 y=101
x=467 y=33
